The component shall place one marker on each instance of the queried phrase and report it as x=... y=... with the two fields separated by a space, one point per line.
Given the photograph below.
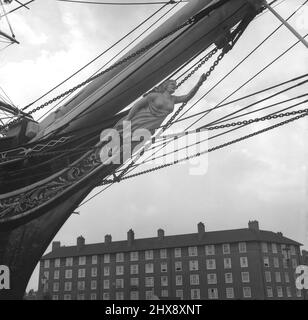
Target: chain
x=228 y=125
x=170 y=121
x=270 y=117
x=211 y=149
x=82 y=84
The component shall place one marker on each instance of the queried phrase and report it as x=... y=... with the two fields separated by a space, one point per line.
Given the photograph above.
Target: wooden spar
x=286 y=24
x=116 y=89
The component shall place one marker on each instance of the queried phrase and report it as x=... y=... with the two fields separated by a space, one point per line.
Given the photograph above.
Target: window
x=274 y=248
x=93 y=285
x=134 y=295
x=292 y=250
x=266 y=262
x=149 y=255
x=298 y=293
x=285 y=263
x=244 y=262
x=149 y=281
x=226 y=248
x=289 y=294
x=179 y=294
x=56 y=286
x=228 y=278
x=134 y=256
x=55 y=297
x=107 y=258
x=106 y=296
x=230 y=293
x=106 y=284
x=134 y=282
x=82 y=261
x=106 y=271
x=279 y=292
x=68 y=274
x=149 y=295
x=195 y=294
x=81 y=273
x=227 y=263
x=178 y=280
x=213 y=293
x=268 y=277
x=264 y=247
x=164 y=281
x=119 y=270
x=247 y=292
x=192 y=251
x=164 y=293
x=210 y=250
x=211 y=278
x=276 y=262
x=149 y=268
x=57 y=263
x=46 y=275
x=68 y=262
x=134 y=269
x=242 y=247
x=294 y=263
x=119 y=283
x=245 y=277
x=177 y=252
x=193 y=265
x=56 y=274
x=163 y=267
x=269 y=292
x=46 y=264
x=94 y=259
x=178 y=266
x=211 y=264
x=286 y=277
x=81 y=285
x=120 y=295
x=67 y=297
x=194 y=279
x=67 y=286
x=93 y=272
x=80 y=296
x=277 y=277
x=120 y=257
x=93 y=296
x=163 y=253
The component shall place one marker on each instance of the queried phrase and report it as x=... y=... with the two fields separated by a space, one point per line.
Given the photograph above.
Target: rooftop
x=202 y=237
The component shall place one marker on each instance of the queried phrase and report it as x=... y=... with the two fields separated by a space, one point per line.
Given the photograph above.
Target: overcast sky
x=264 y=178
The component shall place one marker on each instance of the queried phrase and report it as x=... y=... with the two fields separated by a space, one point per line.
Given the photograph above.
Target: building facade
x=241 y=264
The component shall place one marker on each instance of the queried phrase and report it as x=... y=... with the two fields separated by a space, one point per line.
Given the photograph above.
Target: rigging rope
x=121 y=51
x=193 y=20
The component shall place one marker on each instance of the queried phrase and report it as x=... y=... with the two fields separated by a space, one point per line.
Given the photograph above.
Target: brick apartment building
x=232 y=264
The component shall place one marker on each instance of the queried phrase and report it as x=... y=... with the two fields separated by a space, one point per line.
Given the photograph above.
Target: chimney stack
x=130 y=237
x=108 y=238
x=253 y=225
x=56 y=245
x=201 y=230
x=160 y=234
x=80 y=242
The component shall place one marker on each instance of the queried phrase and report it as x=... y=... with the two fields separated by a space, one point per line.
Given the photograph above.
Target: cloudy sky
x=264 y=178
